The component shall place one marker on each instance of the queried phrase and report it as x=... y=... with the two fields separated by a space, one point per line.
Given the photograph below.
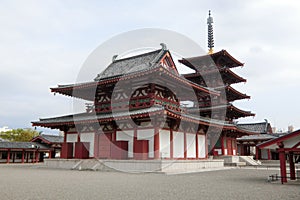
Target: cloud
x=44 y=43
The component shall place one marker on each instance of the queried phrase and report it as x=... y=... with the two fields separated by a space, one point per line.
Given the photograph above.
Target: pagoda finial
x=210 y=33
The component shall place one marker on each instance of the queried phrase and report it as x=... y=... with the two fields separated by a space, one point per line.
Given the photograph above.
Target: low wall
x=134 y=165
x=228 y=159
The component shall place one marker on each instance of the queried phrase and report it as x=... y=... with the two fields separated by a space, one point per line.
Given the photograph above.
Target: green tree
x=19 y=135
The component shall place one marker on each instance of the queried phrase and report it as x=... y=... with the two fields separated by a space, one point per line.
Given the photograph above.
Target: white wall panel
x=225 y=152
x=201 y=146
x=234 y=152
x=164 y=143
x=191 y=145
x=147 y=134
x=178 y=144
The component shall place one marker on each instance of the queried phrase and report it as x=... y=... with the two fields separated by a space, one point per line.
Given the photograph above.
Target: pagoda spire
x=210 y=33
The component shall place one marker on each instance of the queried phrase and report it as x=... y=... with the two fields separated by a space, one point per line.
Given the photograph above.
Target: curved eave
x=228 y=76
x=230 y=61
x=237 y=93
x=232 y=94
x=240 y=112
x=94 y=119
x=246 y=132
x=68 y=89
x=55 y=123
x=235 y=112
x=238 y=79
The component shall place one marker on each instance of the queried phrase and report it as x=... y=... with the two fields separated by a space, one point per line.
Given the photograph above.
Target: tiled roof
x=89 y=116
x=261 y=137
x=22 y=145
x=53 y=138
x=131 y=64
x=261 y=127
x=200 y=63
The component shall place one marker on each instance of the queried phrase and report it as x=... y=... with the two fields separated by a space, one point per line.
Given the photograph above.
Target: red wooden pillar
x=8 y=156
x=36 y=156
x=222 y=145
x=282 y=166
x=184 y=145
x=96 y=145
x=156 y=143
x=256 y=153
x=292 y=166
x=197 y=150
x=23 y=155
x=135 y=141
x=241 y=149
x=171 y=143
x=50 y=154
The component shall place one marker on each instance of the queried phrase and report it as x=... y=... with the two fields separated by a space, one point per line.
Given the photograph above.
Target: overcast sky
x=44 y=43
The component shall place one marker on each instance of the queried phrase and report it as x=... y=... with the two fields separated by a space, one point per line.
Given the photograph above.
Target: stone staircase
x=249 y=160
x=238 y=161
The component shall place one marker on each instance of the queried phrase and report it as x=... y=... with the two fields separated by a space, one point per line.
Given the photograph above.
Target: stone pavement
x=34 y=182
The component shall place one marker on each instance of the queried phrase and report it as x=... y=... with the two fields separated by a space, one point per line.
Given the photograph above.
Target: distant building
x=53 y=142
x=247 y=144
x=31 y=152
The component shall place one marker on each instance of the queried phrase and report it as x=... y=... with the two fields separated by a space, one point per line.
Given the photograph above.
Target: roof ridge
x=132 y=64
x=135 y=56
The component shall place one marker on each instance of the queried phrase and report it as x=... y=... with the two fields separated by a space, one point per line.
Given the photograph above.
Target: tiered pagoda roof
x=209 y=66
x=227 y=75
x=158 y=63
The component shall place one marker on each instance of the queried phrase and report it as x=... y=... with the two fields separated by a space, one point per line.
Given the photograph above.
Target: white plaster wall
x=225 y=152
x=164 y=143
x=72 y=138
x=201 y=146
x=234 y=152
x=178 y=144
x=89 y=137
x=147 y=134
x=191 y=145
x=126 y=136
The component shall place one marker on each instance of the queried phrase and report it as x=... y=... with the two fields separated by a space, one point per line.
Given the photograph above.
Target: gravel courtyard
x=33 y=182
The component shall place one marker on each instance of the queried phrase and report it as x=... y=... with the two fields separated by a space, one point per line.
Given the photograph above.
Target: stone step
x=235 y=164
